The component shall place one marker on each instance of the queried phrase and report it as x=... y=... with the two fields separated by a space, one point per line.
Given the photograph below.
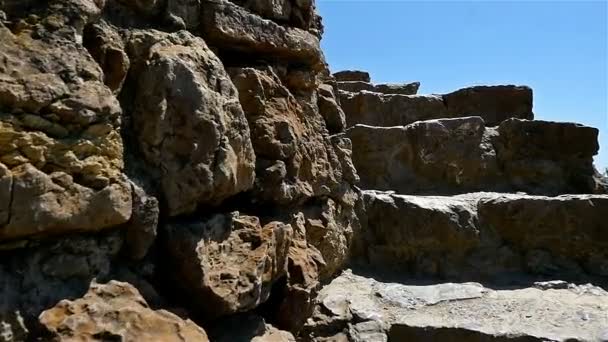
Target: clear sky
x=559 y=48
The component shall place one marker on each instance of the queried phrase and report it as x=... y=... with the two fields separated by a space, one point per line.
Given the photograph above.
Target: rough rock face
x=59 y=142
x=295 y=158
x=485 y=236
x=116 y=311
x=356 y=308
x=190 y=123
x=229 y=263
x=494 y=104
x=233 y=28
x=461 y=155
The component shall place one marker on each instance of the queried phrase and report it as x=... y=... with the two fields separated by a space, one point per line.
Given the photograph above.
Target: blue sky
x=559 y=48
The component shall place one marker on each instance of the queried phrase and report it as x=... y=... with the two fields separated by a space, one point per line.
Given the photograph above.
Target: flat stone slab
x=467 y=310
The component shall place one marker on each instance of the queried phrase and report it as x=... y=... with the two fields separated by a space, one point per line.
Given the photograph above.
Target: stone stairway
x=478 y=223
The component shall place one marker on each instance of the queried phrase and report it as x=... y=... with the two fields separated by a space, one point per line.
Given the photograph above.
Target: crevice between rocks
x=10 y=202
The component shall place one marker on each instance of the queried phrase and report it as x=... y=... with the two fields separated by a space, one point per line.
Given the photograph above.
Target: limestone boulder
x=189 y=124
x=484 y=236
x=553 y=153
x=295 y=156
x=460 y=155
x=330 y=109
x=300 y=14
x=376 y=109
x=352 y=76
x=231 y=263
x=60 y=145
x=390 y=88
x=61 y=205
x=228 y=263
x=421 y=231
x=234 y=29
x=494 y=103
x=120 y=312
x=540 y=223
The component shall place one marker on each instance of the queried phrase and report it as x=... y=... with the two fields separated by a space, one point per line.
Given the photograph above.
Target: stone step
x=485 y=236
x=450 y=156
x=356 y=308
x=403 y=89
x=352 y=76
x=493 y=103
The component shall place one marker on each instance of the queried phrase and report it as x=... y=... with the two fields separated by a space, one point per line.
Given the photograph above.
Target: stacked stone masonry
x=191 y=170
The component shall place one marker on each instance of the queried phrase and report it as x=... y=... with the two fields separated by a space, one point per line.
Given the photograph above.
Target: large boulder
x=295 y=157
x=418 y=234
x=300 y=14
x=352 y=76
x=228 y=263
x=556 y=154
x=494 y=104
x=235 y=30
x=116 y=310
x=377 y=109
x=460 y=155
x=61 y=205
x=60 y=146
x=189 y=123
x=484 y=235
x=541 y=223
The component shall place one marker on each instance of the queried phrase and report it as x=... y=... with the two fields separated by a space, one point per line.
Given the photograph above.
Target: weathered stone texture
x=59 y=139
x=201 y=151
x=295 y=158
x=494 y=104
x=116 y=311
x=461 y=155
x=228 y=263
x=233 y=28
x=485 y=235
x=189 y=123
x=357 y=308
